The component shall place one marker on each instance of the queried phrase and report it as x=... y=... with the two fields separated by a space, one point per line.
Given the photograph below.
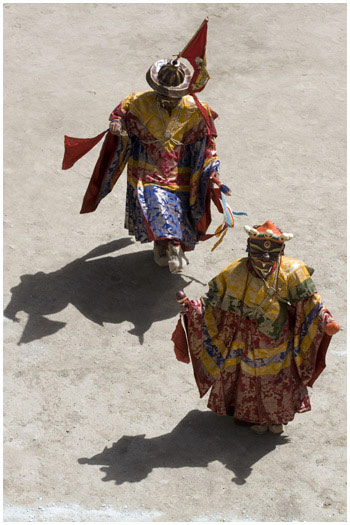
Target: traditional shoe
x=259 y=429
x=276 y=429
x=160 y=255
x=176 y=258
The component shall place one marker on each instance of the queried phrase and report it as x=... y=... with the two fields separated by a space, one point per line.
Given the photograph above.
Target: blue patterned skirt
x=165 y=212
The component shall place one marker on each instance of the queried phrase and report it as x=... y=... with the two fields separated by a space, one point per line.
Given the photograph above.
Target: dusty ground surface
x=101 y=422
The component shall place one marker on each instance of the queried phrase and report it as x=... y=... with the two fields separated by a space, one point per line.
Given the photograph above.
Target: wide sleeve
x=310 y=341
x=300 y=284
x=205 y=165
x=110 y=164
x=189 y=340
x=205 y=337
x=217 y=289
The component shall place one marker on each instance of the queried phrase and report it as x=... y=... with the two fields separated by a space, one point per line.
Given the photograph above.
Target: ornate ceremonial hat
x=268 y=230
x=169 y=77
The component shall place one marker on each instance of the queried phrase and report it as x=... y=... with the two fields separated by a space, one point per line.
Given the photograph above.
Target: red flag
x=194 y=52
x=75 y=148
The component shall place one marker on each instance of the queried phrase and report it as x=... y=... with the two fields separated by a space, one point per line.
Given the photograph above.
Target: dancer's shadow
x=128 y=287
x=200 y=438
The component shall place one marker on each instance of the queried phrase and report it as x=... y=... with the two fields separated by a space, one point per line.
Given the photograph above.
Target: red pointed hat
x=268 y=230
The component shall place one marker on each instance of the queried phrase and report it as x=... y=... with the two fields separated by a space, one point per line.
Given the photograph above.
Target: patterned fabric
x=258 y=356
x=165 y=212
x=237 y=290
x=168 y=190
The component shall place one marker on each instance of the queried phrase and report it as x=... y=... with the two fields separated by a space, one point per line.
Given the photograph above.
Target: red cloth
x=196 y=49
x=90 y=198
x=320 y=364
x=180 y=341
x=209 y=122
x=267 y=399
x=75 y=148
x=183 y=351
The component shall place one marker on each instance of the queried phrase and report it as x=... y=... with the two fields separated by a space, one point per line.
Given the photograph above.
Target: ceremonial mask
x=265 y=245
x=264 y=254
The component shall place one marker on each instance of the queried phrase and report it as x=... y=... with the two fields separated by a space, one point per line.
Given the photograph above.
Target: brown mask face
x=167 y=102
x=264 y=254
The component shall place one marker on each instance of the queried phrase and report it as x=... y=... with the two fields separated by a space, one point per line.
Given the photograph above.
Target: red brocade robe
x=257 y=354
x=169 y=188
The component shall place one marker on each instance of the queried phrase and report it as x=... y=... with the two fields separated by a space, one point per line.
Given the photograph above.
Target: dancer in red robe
x=166 y=138
x=258 y=338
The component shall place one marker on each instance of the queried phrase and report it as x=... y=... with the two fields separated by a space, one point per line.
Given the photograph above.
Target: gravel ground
x=101 y=422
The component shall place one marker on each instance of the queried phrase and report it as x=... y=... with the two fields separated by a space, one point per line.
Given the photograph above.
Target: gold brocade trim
x=237 y=282
x=143 y=106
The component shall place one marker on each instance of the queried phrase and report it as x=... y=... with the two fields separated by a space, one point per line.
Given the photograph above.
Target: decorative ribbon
x=228 y=221
x=228 y=213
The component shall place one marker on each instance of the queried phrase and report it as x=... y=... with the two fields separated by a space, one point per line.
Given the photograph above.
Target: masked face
x=264 y=254
x=168 y=103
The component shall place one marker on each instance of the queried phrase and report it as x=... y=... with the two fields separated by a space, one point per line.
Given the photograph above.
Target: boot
x=176 y=258
x=276 y=429
x=160 y=254
x=259 y=429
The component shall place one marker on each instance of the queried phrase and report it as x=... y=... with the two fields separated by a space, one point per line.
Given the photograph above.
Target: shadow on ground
x=128 y=287
x=199 y=439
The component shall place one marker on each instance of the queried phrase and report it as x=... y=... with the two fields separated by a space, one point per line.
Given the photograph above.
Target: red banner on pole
x=194 y=52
